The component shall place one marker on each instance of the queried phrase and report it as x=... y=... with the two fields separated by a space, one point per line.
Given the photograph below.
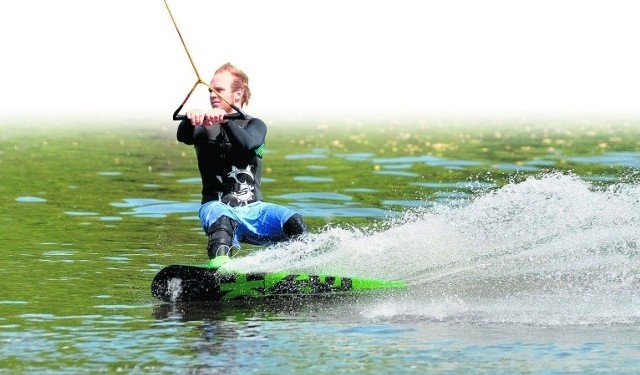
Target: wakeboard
x=201 y=283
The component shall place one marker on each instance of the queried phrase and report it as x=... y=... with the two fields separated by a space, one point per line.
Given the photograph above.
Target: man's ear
x=237 y=95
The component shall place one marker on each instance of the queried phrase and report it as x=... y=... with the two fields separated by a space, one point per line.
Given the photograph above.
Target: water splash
x=174 y=288
x=553 y=249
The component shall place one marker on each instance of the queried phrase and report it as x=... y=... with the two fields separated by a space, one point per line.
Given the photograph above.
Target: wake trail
x=547 y=245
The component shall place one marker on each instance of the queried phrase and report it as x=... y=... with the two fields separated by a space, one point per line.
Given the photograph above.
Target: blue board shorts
x=259 y=223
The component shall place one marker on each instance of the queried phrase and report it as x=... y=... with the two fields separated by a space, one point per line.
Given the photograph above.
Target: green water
x=77 y=256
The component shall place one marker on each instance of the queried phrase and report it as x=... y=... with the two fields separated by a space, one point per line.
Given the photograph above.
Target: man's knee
x=294 y=227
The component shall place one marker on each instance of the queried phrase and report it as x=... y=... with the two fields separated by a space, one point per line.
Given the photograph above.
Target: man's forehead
x=223 y=78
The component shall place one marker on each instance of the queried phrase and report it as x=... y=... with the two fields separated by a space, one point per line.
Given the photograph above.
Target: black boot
x=220 y=237
x=294 y=227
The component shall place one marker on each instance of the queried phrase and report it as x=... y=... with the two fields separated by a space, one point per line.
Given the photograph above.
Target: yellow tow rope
x=200 y=80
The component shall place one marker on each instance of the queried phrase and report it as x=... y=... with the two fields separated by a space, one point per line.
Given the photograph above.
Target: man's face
x=221 y=82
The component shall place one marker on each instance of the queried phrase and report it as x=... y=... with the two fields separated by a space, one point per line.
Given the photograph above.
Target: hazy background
x=123 y=58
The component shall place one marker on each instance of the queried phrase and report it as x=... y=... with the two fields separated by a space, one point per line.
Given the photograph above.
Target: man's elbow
x=183 y=139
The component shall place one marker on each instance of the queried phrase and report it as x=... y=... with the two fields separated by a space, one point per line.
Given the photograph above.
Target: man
x=229 y=154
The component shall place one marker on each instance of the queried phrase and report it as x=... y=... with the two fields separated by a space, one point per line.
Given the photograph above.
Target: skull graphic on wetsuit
x=242 y=194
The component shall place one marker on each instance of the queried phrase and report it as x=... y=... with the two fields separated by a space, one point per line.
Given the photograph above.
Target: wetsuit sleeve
x=248 y=138
x=186 y=132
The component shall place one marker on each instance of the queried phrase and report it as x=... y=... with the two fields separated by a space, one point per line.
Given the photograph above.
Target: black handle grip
x=239 y=115
x=230 y=116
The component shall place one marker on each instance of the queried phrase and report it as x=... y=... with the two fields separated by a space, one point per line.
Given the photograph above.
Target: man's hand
x=208 y=118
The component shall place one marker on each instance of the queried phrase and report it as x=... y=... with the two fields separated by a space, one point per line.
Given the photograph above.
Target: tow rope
x=176 y=116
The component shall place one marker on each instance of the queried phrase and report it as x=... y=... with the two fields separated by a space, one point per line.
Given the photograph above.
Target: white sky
x=109 y=58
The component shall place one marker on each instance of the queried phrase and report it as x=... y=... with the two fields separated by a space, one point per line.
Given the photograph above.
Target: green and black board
x=198 y=283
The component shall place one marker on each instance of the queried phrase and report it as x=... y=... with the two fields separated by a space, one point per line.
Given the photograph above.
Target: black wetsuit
x=229 y=157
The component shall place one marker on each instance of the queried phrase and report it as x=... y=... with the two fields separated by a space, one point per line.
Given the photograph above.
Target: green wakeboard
x=201 y=283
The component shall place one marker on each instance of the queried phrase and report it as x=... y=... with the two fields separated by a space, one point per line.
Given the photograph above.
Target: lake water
x=531 y=268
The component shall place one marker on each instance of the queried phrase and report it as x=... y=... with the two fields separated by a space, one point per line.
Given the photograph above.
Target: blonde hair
x=241 y=81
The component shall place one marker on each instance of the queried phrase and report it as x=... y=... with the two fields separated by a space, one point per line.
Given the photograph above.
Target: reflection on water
x=396 y=173
x=515 y=167
x=310 y=196
x=318 y=155
x=312 y=179
x=30 y=199
x=624 y=159
x=157 y=208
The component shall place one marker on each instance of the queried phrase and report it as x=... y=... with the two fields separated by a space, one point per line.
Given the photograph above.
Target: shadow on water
x=327 y=307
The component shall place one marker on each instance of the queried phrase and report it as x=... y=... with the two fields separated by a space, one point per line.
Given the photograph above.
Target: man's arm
x=249 y=138
x=186 y=132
